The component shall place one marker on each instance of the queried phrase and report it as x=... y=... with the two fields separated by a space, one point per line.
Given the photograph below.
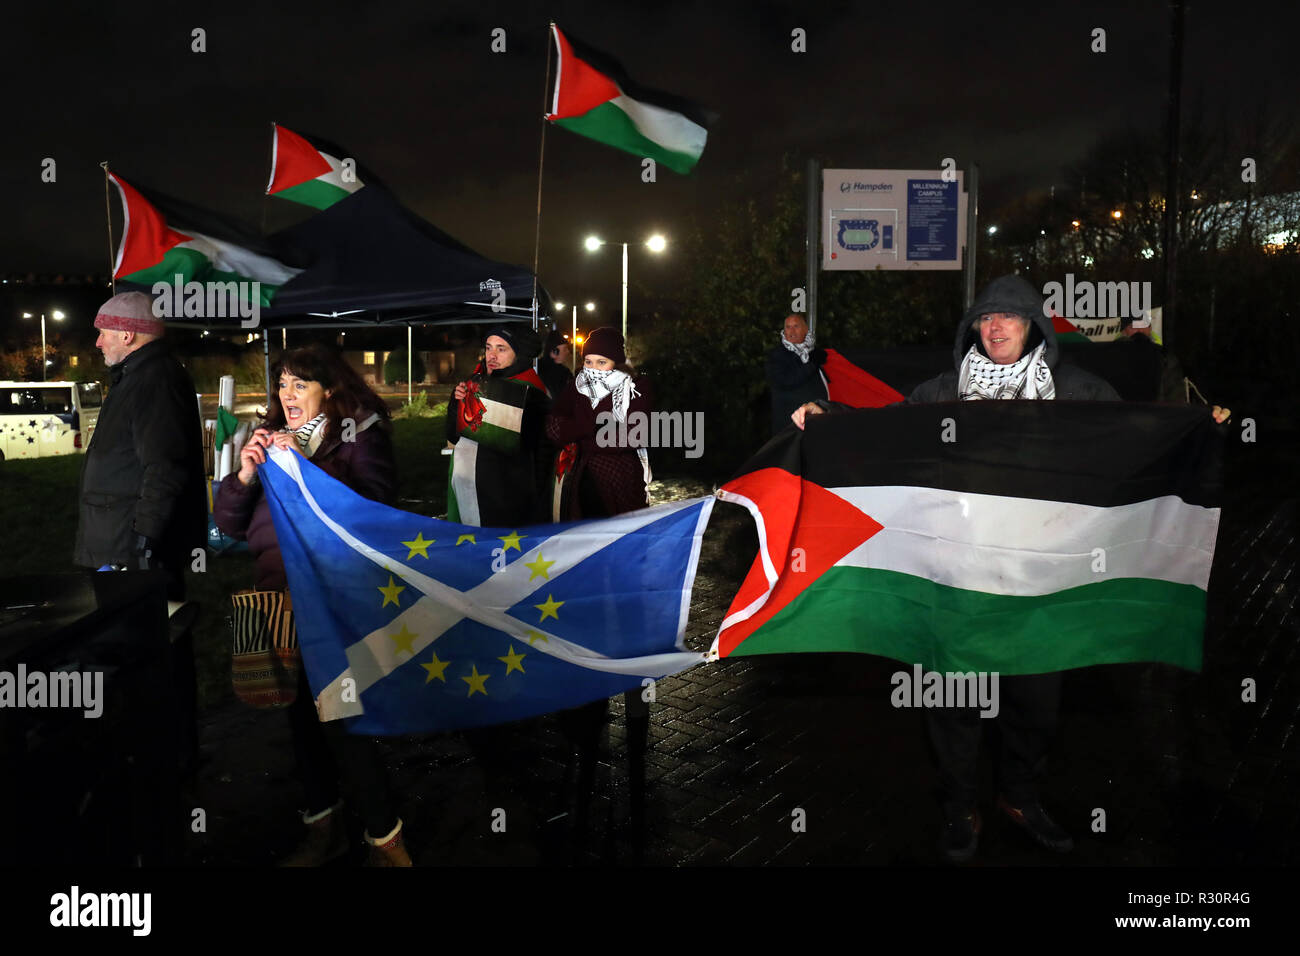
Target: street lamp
x=57 y=316
x=655 y=244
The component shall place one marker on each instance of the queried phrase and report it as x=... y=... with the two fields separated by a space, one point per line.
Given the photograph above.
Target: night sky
x=414 y=91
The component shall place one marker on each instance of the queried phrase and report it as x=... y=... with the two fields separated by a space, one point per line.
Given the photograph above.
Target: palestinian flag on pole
x=311 y=171
x=1016 y=537
x=594 y=97
x=166 y=240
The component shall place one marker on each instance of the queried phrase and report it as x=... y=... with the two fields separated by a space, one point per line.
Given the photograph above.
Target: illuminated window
x=369 y=358
x=72 y=360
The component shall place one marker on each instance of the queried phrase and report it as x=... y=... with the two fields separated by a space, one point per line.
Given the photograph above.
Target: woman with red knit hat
x=597 y=477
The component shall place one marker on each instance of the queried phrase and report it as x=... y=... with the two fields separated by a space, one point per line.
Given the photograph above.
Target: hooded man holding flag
x=1005 y=348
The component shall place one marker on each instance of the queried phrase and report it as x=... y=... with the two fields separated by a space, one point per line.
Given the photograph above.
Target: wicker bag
x=265 y=661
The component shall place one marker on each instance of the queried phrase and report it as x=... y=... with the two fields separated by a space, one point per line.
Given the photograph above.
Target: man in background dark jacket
x=553 y=363
x=142 y=497
x=794 y=371
x=142 y=500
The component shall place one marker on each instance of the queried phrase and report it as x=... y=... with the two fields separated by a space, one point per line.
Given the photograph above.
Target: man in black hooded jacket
x=1005 y=347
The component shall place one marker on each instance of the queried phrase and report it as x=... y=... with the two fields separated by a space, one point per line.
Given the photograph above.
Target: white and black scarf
x=303 y=434
x=595 y=384
x=804 y=348
x=982 y=378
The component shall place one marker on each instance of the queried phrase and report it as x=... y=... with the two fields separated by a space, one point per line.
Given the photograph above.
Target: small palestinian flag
x=1038 y=537
x=493 y=410
x=166 y=240
x=310 y=171
x=594 y=97
x=1067 y=332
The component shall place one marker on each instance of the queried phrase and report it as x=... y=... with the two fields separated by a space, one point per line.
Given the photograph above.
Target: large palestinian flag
x=309 y=170
x=594 y=97
x=165 y=240
x=1017 y=537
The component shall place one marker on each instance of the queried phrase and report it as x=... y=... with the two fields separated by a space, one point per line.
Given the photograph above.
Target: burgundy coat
x=603 y=481
x=365 y=465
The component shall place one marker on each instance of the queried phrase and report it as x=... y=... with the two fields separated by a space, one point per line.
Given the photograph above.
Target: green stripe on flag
x=193 y=266
x=610 y=125
x=315 y=193
x=913 y=620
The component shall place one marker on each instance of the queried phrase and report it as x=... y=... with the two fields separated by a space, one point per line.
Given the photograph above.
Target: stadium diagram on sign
x=863 y=231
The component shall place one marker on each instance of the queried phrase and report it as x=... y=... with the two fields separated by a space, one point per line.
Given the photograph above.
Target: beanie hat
x=129 y=312
x=525 y=342
x=606 y=341
x=553 y=341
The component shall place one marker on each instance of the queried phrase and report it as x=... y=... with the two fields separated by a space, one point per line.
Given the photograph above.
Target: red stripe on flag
x=296 y=161
x=796 y=514
x=579 y=87
x=854 y=386
x=146 y=237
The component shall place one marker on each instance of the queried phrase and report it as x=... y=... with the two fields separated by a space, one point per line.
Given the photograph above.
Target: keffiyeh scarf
x=804 y=348
x=982 y=378
x=595 y=384
x=303 y=434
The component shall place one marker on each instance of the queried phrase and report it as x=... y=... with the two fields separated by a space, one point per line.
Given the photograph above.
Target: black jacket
x=793 y=382
x=143 y=472
x=555 y=375
x=1014 y=294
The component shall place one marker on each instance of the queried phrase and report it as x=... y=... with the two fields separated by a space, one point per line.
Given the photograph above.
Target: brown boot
x=388 y=850
x=326 y=839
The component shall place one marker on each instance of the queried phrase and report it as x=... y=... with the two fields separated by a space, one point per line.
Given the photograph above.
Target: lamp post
x=57 y=316
x=655 y=244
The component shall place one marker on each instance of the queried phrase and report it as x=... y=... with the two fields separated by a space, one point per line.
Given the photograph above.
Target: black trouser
x=326 y=753
x=1026 y=718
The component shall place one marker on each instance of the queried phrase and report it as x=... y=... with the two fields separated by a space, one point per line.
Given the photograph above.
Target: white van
x=38 y=419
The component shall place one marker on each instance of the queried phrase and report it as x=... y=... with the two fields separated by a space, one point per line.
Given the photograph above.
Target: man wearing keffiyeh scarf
x=794 y=371
x=1005 y=348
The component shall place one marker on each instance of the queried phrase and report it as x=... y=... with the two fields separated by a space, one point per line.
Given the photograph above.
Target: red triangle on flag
x=294 y=161
x=793 y=514
x=579 y=87
x=146 y=237
x=1063 y=326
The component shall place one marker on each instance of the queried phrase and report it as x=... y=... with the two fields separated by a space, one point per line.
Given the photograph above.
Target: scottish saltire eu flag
x=409 y=624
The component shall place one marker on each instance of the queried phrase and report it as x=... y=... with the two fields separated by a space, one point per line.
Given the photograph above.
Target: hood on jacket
x=1008 y=294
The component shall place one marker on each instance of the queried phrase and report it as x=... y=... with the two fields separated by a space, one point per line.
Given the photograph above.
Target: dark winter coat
x=508 y=486
x=366 y=465
x=602 y=481
x=555 y=375
x=793 y=382
x=143 y=473
x=1013 y=294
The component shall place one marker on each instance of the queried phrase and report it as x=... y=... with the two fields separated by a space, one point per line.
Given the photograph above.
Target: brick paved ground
x=1185 y=771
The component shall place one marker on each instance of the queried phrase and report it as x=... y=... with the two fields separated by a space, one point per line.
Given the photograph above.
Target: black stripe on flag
x=1094 y=453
